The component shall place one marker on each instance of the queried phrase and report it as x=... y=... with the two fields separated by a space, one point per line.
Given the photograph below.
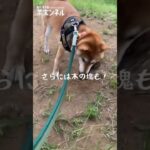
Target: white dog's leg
x=46 y=39
x=58 y=60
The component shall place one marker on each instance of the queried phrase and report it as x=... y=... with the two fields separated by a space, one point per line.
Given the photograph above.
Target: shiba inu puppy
x=90 y=45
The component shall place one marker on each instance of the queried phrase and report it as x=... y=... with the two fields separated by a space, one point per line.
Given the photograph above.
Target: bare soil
x=99 y=134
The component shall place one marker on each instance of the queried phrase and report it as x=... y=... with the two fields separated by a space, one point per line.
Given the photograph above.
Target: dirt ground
x=99 y=134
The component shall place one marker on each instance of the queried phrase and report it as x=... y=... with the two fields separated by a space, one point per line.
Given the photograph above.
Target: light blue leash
x=38 y=142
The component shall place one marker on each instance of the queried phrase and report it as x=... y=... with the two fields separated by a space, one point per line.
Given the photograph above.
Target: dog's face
x=90 y=50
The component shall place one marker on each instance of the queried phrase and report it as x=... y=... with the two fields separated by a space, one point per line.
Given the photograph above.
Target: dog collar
x=67 y=31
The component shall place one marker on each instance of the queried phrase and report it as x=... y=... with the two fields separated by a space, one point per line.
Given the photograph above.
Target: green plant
x=38 y=2
x=98 y=8
x=114 y=68
x=77 y=132
x=110 y=147
x=113 y=83
x=58 y=129
x=99 y=98
x=77 y=122
x=45 y=59
x=47 y=146
x=52 y=90
x=60 y=124
x=92 y=111
x=46 y=113
x=68 y=96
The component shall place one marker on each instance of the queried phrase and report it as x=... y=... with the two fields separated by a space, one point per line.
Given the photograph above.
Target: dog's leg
x=102 y=55
x=57 y=60
x=47 y=31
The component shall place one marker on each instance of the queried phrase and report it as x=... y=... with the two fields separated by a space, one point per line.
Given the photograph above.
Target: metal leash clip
x=75 y=36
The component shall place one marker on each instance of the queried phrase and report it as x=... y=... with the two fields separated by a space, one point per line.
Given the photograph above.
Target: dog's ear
x=103 y=46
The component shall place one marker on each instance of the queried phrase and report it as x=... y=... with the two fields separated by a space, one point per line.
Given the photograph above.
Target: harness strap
x=68 y=29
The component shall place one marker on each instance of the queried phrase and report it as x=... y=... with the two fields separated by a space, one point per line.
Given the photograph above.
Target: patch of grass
x=110 y=147
x=38 y=2
x=59 y=130
x=52 y=90
x=45 y=59
x=97 y=145
x=114 y=68
x=47 y=112
x=112 y=77
x=99 y=99
x=76 y=133
x=96 y=8
x=61 y=124
x=93 y=109
x=77 y=121
x=69 y=128
x=68 y=96
x=113 y=83
x=47 y=146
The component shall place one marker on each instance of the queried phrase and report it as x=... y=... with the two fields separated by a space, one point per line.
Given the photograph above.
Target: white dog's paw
x=16 y=73
x=55 y=73
x=46 y=51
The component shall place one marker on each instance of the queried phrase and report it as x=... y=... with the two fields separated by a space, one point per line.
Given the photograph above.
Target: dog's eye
x=85 y=60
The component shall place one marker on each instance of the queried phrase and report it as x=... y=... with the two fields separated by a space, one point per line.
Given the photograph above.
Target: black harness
x=67 y=31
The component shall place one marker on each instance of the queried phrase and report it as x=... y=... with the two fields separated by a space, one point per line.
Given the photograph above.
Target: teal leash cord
x=38 y=142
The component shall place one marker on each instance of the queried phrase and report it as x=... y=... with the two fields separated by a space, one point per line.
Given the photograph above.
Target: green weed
x=77 y=132
x=93 y=109
x=96 y=8
x=47 y=146
x=52 y=90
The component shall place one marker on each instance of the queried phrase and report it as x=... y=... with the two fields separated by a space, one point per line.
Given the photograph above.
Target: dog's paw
x=15 y=74
x=46 y=50
x=55 y=73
